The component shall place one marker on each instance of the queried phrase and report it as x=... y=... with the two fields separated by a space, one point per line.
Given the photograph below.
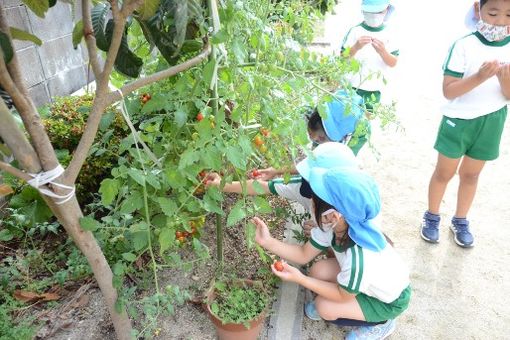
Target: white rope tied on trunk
x=47 y=177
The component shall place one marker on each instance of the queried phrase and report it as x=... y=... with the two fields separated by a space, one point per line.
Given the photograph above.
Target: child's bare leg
x=443 y=173
x=332 y=310
x=469 y=171
x=325 y=270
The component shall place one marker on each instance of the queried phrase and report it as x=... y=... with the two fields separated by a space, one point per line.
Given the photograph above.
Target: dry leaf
x=25 y=296
x=5 y=190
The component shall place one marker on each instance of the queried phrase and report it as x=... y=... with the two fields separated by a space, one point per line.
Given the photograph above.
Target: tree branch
x=129 y=7
x=31 y=119
x=15 y=171
x=169 y=72
x=90 y=39
x=16 y=141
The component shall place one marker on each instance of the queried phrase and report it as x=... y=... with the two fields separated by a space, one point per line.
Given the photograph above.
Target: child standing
x=372 y=44
x=366 y=280
x=477 y=86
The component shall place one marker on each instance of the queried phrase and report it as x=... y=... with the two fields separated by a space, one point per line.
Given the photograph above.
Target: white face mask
x=329 y=226
x=492 y=32
x=374 y=19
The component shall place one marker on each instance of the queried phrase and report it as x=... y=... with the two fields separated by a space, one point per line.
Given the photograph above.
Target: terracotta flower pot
x=235 y=331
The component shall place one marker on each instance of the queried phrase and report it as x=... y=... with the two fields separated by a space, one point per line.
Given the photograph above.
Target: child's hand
x=503 y=73
x=289 y=273
x=262 y=234
x=362 y=42
x=488 y=69
x=379 y=46
x=263 y=174
x=308 y=226
x=212 y=179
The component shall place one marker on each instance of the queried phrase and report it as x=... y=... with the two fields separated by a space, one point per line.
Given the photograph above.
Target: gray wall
x=55 y=68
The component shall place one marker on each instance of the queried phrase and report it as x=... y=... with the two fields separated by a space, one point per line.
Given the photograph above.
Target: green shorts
x=478 y=138
x=375 y=310
x=369 y=97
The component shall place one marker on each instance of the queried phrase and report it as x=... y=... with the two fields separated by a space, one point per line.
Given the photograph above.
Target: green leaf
x=168 y=206
x=220 y=37
x=236 y=157
x=180 y=117
x=148 y=8
x=118 y=269
x=237 y=213
x=259 y=189
x=39 y=7
x=210 y=204
x=262 y=205
x=89 y=224
x=140 y=240
x=109 y=189
x=6 y=235
x=126 y=62
x=77 y=34
x=166 y=239
x=130 y=257
x=23 y=35
x=209 y=72
x=132 y=203
x=6 y=46
x=98 y=15
x=250 y=235
x=137 y=175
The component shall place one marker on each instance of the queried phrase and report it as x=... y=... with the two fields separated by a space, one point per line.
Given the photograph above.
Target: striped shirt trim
x=448 y=72
x=273 y=182
x=346 y=36
x=356 y=269
x=447 y=61
x=316 y=245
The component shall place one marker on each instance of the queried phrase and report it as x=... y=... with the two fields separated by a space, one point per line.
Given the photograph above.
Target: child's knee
x=469 y=177
x=316 y=270
x=324 y=309
x=442 y=175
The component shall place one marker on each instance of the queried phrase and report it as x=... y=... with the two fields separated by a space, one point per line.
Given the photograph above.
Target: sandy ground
x=457 y=293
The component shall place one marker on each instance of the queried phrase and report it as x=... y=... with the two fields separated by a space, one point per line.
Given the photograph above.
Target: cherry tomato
x=278 y=265
x=255 y=173
x=258 y=141
x=202 y=173
x=200 y=116
x=178 y=234
x=265 y=132
x=263 y=148
x=181 y=239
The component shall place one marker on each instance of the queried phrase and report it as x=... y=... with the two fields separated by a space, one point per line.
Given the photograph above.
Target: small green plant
x=239 y=302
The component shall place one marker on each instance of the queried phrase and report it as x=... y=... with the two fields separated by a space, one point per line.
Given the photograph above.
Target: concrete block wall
x=55 y=68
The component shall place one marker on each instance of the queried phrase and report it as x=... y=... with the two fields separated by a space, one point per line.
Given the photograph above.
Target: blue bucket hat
x=374 y=6
x=342 y=115
x=328 y=155
x=355 y=195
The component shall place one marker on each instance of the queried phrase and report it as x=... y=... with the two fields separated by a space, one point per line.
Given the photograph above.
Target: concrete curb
x=287 y=312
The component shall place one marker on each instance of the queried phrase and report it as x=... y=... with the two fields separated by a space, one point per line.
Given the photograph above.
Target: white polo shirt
x=373 y=70
x=382 y=275
x=464 y=59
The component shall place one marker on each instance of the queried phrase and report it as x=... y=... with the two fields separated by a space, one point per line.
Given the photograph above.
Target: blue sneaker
x=311 y=311
x=462 y=235
x=430 y=227
x=377 y=332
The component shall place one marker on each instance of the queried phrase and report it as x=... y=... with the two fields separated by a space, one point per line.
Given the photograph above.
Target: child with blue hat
x=372 y=43
x=343 y=121
x=367 y=283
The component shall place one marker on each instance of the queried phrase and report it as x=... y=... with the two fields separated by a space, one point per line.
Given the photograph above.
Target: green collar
x=491 y=43
x=372 y=29
x=341 y=247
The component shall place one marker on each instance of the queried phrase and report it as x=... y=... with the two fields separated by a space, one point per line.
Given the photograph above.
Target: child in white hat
x=372 y=43
x=477 y=88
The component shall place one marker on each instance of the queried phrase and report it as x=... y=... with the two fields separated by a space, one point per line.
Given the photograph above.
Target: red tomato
x=255 y=173
x=200 y=116
x=258 y=141
x=278 y=265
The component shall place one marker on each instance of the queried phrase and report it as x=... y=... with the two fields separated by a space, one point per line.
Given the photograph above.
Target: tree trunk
x=69 y=215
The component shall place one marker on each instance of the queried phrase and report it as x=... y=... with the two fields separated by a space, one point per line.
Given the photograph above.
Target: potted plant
x=237 y=308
